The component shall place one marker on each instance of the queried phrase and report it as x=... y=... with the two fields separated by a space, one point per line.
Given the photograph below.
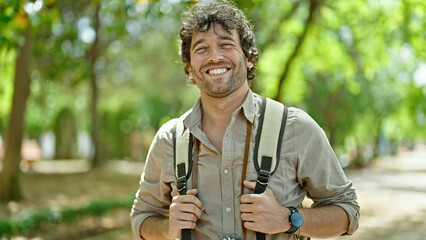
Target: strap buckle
x=181 y=184
x=263 y=177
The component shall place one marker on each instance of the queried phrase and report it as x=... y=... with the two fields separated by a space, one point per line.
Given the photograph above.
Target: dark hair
x=199 y=18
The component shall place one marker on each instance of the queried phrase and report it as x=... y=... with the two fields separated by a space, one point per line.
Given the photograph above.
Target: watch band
x=293 y=228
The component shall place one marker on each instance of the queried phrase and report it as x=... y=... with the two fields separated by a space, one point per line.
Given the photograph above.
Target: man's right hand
x=185 y=210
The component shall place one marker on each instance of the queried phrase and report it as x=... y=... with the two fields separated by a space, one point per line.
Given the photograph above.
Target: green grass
x=34 y=222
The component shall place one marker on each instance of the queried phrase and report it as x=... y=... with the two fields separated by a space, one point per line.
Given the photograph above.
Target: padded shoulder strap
x=183 y=162
x=183 y=150
x=270 y=131
x=269 y=134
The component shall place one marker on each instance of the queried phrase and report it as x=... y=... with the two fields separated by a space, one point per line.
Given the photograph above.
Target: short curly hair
x=200 y=17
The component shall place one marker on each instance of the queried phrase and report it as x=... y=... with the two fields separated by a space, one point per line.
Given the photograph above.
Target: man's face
x=218 y=64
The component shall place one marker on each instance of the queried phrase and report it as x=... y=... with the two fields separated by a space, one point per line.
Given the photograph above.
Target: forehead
x=216 y=31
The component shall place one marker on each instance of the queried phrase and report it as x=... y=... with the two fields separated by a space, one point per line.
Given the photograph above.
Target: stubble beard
x=214 y=89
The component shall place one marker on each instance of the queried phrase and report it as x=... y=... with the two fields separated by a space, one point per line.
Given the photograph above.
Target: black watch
x=295 y=219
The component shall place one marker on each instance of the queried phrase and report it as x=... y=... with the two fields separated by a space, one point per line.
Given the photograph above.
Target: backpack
x=268 y=139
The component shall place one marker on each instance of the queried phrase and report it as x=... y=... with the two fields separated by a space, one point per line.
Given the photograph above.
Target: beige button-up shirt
x=307 y=167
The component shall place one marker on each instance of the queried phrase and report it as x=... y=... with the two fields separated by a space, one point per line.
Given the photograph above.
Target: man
x=220 y=55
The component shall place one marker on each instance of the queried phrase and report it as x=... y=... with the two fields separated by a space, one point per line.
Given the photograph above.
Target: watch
x=295 y=219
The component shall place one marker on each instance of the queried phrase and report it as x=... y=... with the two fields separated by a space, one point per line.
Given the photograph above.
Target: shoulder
x=297 y=119
x=166 y=132
x=303 y=122
x=169 y=126
x=306 y=128
x=300 y=116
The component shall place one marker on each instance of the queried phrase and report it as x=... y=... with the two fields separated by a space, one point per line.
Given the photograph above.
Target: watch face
x=296 y=219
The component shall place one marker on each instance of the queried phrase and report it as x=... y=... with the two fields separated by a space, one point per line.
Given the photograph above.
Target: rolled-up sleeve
x=154 y=195
x=320 y=173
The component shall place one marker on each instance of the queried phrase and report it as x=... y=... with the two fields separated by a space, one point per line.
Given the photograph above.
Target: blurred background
x=84 y=86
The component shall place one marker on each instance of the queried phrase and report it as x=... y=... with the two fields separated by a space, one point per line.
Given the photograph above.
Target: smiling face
x=218 y=64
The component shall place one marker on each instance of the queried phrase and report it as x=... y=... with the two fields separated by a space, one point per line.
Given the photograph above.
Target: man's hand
x=185 y=210
x=262 y=212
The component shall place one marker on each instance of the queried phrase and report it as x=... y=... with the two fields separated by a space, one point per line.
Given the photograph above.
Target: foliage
x=28 y=223
x=6 y=86
x=355 y=70
x=350 y=64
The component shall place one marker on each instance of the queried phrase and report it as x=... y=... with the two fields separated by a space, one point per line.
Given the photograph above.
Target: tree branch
x=275 y=33
x=314 y=5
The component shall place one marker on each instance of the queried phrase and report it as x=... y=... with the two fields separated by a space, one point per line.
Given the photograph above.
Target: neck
x=218 y=111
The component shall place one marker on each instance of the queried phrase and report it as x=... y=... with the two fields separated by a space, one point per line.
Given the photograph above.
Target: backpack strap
x=270 y=132
x=183 y=162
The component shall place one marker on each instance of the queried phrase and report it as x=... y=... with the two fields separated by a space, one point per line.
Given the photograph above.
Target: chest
x=215 y=136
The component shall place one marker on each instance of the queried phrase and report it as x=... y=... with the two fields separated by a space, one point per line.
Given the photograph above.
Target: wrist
x=295 y=219
x=286 y=220
x=169 y=233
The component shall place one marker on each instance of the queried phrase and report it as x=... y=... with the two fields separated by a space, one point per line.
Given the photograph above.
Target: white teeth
x=217 y=71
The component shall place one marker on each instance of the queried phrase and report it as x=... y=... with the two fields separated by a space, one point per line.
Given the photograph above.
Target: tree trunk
x=92 y=56
x=10 y=188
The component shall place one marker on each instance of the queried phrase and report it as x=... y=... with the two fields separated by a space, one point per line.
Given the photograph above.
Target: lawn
x=47 y=192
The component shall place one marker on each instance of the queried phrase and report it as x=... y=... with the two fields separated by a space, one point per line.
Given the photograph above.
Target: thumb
x=268 y=192
x=249 y=185
x=192 y=192
x=271 y=196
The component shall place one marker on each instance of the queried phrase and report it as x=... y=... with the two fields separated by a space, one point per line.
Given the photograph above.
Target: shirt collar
x=193 y=118
x=248 y=106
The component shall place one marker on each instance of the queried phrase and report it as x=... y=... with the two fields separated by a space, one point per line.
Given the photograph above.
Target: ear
x=188 y=70
x=250 y=65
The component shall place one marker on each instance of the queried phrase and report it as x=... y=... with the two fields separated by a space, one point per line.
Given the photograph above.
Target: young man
x=220 y=55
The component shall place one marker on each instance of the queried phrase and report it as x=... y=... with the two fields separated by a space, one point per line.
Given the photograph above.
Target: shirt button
x=225 y=171
x=228 y=209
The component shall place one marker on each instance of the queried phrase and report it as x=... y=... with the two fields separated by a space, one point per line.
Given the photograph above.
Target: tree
x=10 y=188
x=348 y=64
x=18 y=26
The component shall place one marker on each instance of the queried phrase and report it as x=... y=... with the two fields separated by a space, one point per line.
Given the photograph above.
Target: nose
x=215 y=55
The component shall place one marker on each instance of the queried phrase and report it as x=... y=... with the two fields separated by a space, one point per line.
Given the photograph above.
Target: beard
x=220 y=87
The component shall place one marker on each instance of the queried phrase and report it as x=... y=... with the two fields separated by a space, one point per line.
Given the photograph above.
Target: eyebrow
x=198 y=42
x=222 y=37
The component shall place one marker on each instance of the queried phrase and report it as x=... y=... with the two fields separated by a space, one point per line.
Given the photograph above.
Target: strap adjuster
x=181 y=184
x=264 y=173
x=263 y=177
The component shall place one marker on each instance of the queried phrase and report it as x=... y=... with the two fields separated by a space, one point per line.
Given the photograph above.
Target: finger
x=247 y=217
x=249 y=185
x=246 y=208
x=187 y=199
x=184 y=216
x=249 y=198
x=192 y=192
x=179 y=224
x=268 y=192
x=250 y=226
x=197 y=202
x=178 y=208
x=191 y=208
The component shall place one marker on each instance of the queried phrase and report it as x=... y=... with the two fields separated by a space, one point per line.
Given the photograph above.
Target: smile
x=217 y=71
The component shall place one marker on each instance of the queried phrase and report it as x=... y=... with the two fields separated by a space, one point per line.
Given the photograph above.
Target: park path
x=392 y=196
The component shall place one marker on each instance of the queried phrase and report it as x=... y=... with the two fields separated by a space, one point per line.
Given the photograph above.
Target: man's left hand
x=262 y=212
